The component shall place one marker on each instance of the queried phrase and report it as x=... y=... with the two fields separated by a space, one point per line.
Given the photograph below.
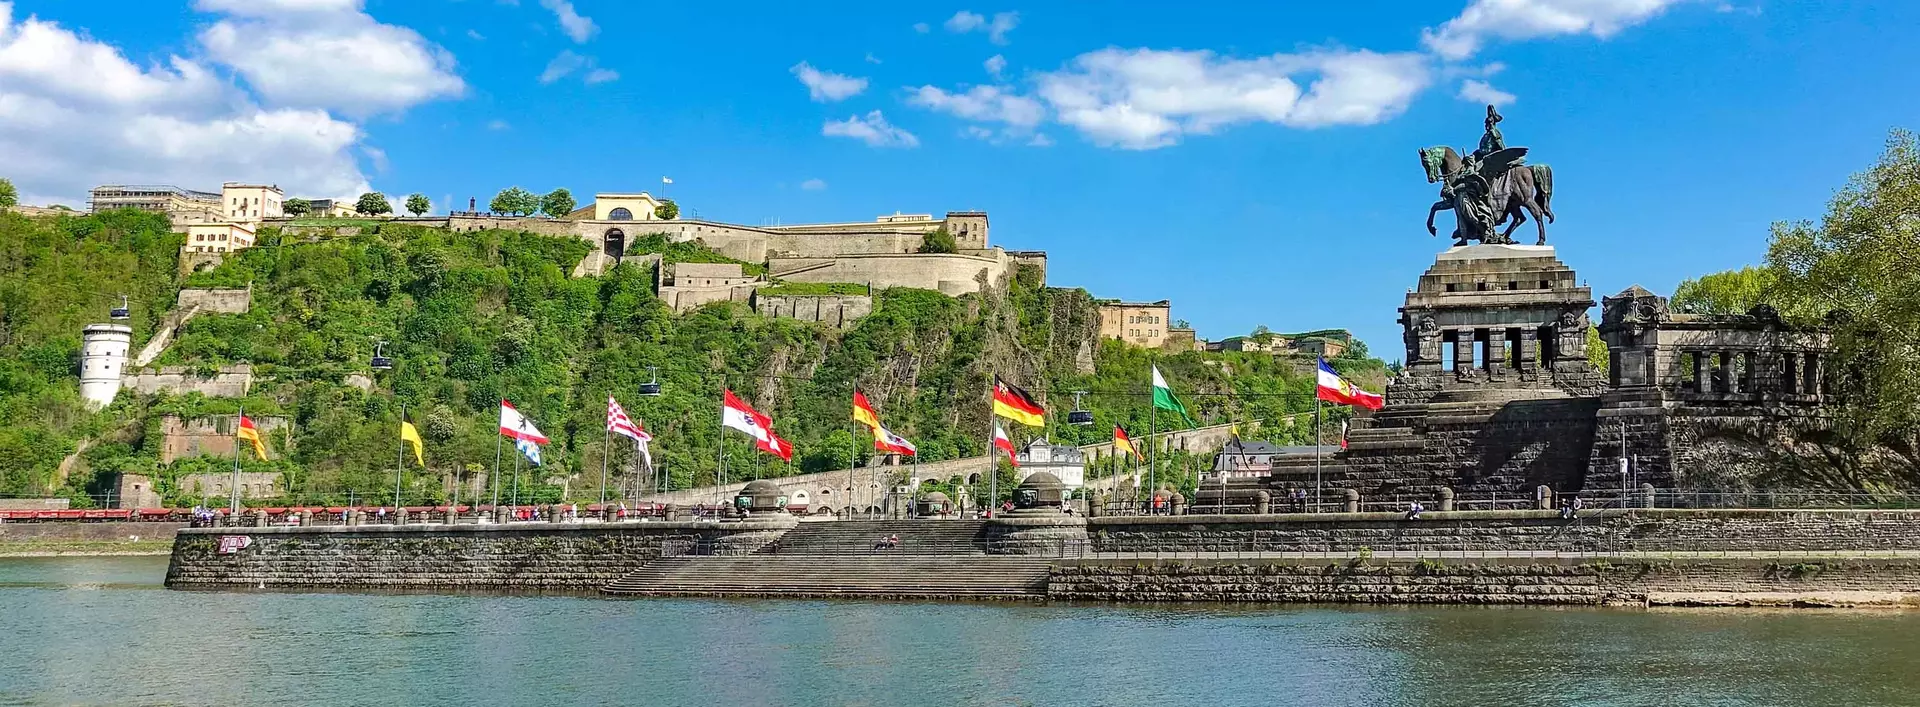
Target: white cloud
x=567 y=63
x=813 y=185
x=993 y=104
x=497 y=125
x=1477 y=91
x=921 y=27
x=327 y=54
x=996 y=64
x=826 y=86
x=1040 y=140
x=996 y=28
x=1146 y=98
x=76 y=113
x=872 y=129
x=475 y=35
x=577 y=26
x=1464 y=35
x=871 y=59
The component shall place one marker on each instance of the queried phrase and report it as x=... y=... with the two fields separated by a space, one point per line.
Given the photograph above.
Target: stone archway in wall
x=620 y=213
x=614 y=244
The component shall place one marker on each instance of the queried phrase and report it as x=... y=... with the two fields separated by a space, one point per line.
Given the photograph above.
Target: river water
x=103 y=631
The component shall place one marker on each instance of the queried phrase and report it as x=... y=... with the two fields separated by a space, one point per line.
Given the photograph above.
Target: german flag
x=1123 y=443
x=863 y=412
x=1015 y=404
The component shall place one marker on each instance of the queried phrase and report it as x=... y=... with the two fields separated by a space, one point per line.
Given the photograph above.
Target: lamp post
x=381 y=362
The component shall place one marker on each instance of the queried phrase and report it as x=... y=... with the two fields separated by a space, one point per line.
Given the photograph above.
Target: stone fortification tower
x=103 y=359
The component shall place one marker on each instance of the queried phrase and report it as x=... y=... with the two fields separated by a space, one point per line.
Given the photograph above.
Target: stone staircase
x=857 y=537
x=875 y=576
x=936 y=559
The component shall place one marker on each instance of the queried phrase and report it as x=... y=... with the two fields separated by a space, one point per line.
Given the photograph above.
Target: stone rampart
x=952 y=274
x=839 y=311
x=551 y=556
x=215 y=301
x=1594 y=531
x=229 y=382
x=1721 y=581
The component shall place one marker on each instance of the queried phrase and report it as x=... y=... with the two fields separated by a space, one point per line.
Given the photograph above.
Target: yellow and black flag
x=1015 y=404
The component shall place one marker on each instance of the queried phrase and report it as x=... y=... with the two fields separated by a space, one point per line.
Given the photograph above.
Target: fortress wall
x=212 y=435
x=951 y=274
x=229 y=382
x=215 y=301
x=840 y=311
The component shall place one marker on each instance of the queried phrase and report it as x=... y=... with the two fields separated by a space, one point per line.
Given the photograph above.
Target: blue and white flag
x=530 y=449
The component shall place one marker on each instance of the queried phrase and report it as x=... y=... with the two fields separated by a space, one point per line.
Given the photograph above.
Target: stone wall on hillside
x=1473 y=531
x=575 y=556
x=838 y=311
x=215 y=301
x=207 y=436
x=953 y=274
x=228 y=382
x=1488 y=582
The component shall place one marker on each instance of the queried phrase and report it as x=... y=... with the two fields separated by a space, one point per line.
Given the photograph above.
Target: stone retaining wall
x=1516 y=582
x=86 y=532
x=563 y=556
x=1594 y=531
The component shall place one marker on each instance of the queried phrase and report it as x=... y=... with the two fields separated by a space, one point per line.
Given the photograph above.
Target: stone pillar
x=400 y=515
x=1177 y=504
x=1543 y=498
x=1262 y=501
x=1724 y=375
x=1646 y=495
x=259 y=519
x=670 y=512
x=1353 y=500
x=1497 y=352
x=1811 y=381
x=1445 y=501
x=1527 y=349
x=356 y=518
x=1463 y=343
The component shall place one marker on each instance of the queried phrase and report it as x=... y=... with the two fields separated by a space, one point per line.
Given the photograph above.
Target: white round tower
x=103 y=358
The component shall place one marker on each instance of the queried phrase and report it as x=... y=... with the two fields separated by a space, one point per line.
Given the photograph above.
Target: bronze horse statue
x=1496 y=187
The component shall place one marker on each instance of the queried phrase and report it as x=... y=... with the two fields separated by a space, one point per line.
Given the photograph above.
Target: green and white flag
x=1163 y=396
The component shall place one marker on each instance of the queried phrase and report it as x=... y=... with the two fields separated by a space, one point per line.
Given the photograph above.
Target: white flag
x=666 y=180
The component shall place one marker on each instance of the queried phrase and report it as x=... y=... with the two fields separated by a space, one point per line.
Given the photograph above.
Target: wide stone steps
x=856 y=537
x=831 y=576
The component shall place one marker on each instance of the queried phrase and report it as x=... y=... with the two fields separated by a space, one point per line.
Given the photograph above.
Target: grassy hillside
x=474 y=317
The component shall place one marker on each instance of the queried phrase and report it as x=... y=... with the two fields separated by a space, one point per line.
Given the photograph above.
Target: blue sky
x=1253 y=162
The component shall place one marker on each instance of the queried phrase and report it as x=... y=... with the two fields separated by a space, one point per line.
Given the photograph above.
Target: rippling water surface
x=103 y=631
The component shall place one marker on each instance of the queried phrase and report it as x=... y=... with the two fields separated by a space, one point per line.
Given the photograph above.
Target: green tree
x=516 y=201
x=557 y=203
x=1597 y=353
x=418 y=204
x=8 y=195
x=372 y=203
x=939 y=241
x=296 y=207
x=1859 y=263
x=667 y=210
x=1728 y=292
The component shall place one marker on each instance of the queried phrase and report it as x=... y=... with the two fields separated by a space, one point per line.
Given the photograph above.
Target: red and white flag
x=1005 y=443
x=515 y=425
x=886 y=441
x=618 y=423
x=738 y=415
x=1335 y=389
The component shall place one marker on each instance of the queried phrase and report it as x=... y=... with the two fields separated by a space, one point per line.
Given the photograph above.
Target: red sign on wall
x=230 y=544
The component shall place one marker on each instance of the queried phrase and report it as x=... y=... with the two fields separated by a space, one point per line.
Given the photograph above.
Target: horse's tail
x=1543 y=182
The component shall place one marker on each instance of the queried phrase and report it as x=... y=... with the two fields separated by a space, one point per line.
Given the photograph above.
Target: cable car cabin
x=121 y=312
x=382 y=363
x=1079 y=417
x=650 y=389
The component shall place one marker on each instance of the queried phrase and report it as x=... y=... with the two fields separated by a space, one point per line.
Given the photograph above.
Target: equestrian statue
x=1489 y=187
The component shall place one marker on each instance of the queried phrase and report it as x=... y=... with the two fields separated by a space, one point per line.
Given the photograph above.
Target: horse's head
x=1434 y=160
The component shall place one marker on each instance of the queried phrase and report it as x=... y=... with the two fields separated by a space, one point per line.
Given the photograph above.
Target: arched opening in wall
x=614 y=244
x=620 y=213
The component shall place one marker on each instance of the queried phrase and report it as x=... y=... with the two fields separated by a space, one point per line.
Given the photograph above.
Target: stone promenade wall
x=90 y=532
x=563 y=556
x=1594 y=531
x=1741 y=582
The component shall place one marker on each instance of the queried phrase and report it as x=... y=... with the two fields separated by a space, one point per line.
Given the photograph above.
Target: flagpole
x=233 y=508
x=495 y=476
x=1153 y=452
x=400 y=470
x=993 y=472
x=606 y=448
x=1316 y=450
x=518 y=459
